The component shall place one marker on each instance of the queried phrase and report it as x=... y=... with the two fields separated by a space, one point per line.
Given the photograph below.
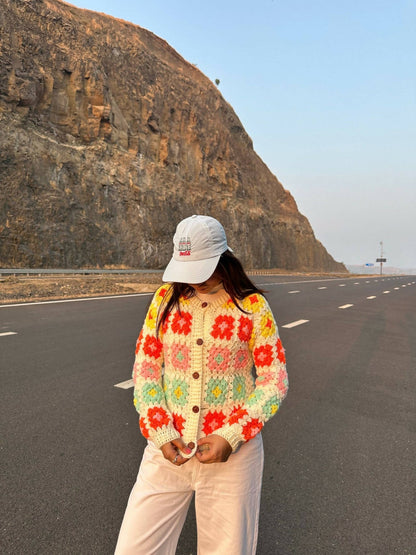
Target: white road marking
x=341 y=285
x=300 y=282
x=293 y=292
x=396 y=288
x=346 y=306
x=373 y=297
x=403 y=285
x=125 y=385
x=385 y=292
x=3 y=334
x=297 y=323
x=77 y=300
x=356 y=283
x=322 y=287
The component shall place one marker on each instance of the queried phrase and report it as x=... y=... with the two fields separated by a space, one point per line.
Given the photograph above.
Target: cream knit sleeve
x=149 y=397
x=271 y=383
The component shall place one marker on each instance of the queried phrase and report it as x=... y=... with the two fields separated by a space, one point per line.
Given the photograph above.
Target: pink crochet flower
x=218 y=359
x=149 y=370
x=241 y=358
x=179 y=356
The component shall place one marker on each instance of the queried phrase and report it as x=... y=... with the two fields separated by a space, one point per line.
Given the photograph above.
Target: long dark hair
x=233 y=277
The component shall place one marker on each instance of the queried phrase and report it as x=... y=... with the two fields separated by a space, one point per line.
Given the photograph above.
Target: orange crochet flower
x=252 y=428
x=143 y=428
x=223 y=327
x=212 y=421
x=280 y=351
x=152 y=346
x=236 y=414
x=162 y=292
x=181 y=323
x=178 y=422
x=166 y=324
x=263 y=355
x=139 y=341
x=158 y=417
x=245 y=328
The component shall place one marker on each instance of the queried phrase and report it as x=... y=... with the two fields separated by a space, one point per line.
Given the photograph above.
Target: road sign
x=381 y=260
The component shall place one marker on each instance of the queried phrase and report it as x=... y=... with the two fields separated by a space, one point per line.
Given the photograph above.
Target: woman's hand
x=213 y=449
x=171 y=451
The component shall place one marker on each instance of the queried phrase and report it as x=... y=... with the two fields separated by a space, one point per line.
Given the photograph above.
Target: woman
x=200 y=406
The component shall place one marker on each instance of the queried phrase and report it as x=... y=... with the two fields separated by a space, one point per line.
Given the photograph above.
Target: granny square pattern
x=194 y=377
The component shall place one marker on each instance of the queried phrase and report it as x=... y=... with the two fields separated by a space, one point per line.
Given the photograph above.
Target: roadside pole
x=381 y=259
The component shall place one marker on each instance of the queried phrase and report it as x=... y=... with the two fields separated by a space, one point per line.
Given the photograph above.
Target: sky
x=326 y=89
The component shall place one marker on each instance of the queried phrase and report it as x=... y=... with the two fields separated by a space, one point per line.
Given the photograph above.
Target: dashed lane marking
x=4 y=333
x=294 y=324
x=322 y=287
x=290 y=292
x=373 y=297
x=346 y=306
x=396 y=288
x=385 y=292
x=77 y=300
x=125 y=385
x=356 y=283
x=341 y=285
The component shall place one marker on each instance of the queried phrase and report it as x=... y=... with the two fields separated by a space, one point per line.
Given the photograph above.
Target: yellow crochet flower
x=151 y=318
x=267 y=325
x=253 y=303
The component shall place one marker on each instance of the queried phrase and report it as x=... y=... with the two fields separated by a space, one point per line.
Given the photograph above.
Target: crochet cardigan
x=195 y=377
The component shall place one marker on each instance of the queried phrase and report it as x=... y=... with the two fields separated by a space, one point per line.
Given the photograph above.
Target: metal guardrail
x=81 y=271
x=89 y=271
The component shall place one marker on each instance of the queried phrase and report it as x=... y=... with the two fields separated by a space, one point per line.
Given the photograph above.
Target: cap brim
x=195 y=271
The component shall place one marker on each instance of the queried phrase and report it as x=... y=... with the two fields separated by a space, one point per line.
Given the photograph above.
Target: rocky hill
x=108 y=137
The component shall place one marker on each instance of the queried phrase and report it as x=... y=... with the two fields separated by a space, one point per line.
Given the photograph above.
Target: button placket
x=195 y=397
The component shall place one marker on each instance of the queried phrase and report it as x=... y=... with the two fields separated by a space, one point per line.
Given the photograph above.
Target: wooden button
x=191 y=445
x=195 y=409
x=204 y=305
x=195 y=375
x=199 y=341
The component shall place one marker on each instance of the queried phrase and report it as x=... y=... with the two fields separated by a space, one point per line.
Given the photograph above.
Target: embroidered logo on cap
x=185 y=246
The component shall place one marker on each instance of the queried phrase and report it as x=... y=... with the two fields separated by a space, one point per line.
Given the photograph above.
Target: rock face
x=108 y=138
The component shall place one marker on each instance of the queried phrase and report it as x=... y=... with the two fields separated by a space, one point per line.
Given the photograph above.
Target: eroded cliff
x=108 y=138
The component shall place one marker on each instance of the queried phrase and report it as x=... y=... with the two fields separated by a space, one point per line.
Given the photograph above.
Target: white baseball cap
x=198 y=243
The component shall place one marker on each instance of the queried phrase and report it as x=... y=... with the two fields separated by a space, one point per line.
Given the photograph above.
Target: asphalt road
x=340 y=455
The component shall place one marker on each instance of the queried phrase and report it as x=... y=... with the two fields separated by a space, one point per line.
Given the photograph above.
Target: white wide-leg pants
x=227 y=503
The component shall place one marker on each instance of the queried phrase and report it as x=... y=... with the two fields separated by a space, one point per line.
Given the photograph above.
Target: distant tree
x=217 y=82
